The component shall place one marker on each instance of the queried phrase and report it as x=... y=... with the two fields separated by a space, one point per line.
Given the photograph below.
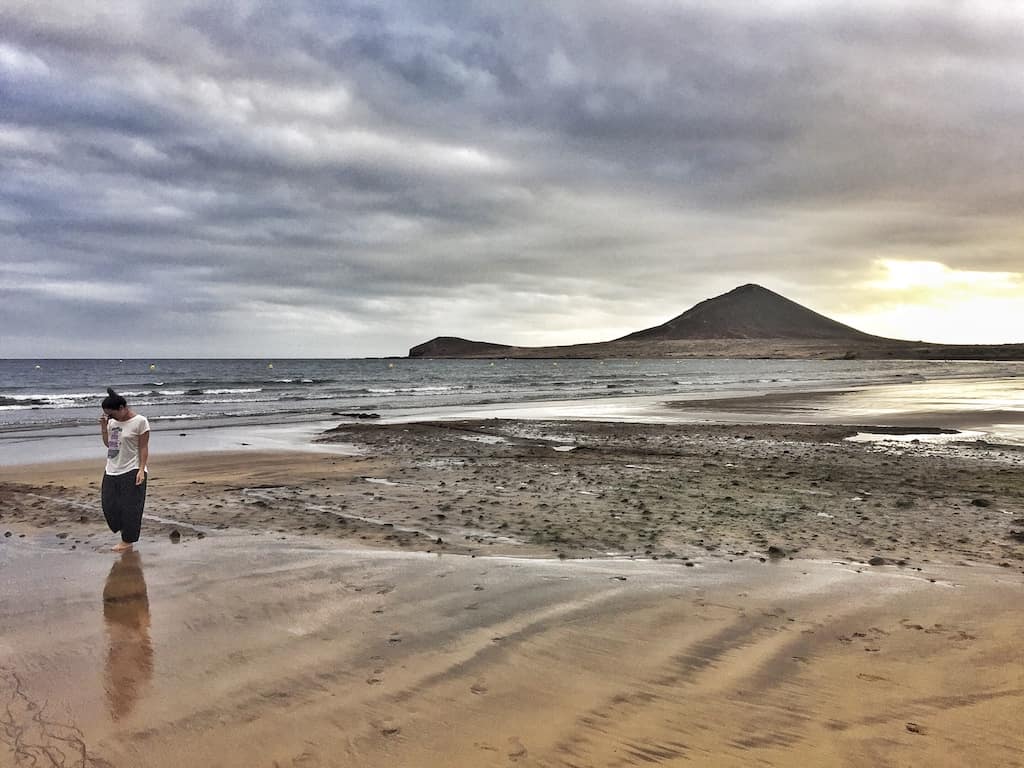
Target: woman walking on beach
x=123 y=494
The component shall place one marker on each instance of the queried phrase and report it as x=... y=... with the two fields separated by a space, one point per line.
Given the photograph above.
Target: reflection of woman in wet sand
x=130 y=656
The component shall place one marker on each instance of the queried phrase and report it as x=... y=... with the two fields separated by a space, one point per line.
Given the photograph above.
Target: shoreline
x=939 y=404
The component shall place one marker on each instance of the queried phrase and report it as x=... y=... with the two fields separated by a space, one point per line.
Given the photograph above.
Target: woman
x=126 y=435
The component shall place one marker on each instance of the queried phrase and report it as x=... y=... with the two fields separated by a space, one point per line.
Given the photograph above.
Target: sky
x=334 y=178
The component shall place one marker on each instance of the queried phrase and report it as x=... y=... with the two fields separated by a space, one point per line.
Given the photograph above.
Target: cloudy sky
x=341 y=178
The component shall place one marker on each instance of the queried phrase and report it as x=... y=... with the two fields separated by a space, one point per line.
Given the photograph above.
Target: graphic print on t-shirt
x=114 y=443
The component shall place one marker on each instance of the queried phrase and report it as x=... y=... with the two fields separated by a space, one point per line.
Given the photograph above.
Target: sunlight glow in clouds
x=947 y=305
x=933 y=276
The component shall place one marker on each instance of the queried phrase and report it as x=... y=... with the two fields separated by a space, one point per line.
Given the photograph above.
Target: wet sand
x=474 y=594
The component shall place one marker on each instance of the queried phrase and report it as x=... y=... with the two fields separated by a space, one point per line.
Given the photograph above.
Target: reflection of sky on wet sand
x=274 y=642
x=965 y=395
x=129 y=664
x=992 y=408
x=981 y=409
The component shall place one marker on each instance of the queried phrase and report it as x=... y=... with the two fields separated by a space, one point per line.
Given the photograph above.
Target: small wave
x=411 y=390
x=176 y=417
x=226 y=382
x=246 y=400
x=48 y=401
x=154 y=393
x=226 y=391
x=71 y=396
x=22 y=402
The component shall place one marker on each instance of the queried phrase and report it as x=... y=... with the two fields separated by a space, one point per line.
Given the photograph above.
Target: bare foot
x=124 y=546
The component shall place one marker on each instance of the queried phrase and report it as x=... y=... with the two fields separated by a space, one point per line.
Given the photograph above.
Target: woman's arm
x=140 y=476
x=103 y=430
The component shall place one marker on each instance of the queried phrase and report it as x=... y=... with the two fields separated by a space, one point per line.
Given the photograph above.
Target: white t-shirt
x=123 y=444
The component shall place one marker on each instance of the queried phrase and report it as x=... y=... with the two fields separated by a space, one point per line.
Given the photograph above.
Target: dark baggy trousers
x=123 y=501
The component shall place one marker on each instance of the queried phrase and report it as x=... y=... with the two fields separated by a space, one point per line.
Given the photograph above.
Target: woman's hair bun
x=113 y=401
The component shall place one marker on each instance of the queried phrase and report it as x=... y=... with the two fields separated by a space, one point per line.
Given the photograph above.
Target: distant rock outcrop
x=453 y=346
x=750 y=312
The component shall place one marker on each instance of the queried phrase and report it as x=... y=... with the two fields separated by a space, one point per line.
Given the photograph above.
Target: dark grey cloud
x=365 y=175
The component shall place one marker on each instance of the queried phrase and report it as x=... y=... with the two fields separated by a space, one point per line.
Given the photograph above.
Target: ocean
x=48 y=394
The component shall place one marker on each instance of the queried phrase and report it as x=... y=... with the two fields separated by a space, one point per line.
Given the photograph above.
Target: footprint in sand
x=872 y=678
x=516 y=749
x=479 y=687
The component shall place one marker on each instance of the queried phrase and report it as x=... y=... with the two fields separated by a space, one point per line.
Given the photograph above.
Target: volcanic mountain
x=749 y=312
x=747 y=322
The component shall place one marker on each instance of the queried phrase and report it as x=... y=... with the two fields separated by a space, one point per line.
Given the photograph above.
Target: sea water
x=62 y=393
x=49 y=408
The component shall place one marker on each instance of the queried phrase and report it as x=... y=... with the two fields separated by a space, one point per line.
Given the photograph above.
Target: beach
x=511 y=384
x=509 y=592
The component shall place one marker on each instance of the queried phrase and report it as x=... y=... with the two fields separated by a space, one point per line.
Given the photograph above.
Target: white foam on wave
x=50 y=396
x=409 y=390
